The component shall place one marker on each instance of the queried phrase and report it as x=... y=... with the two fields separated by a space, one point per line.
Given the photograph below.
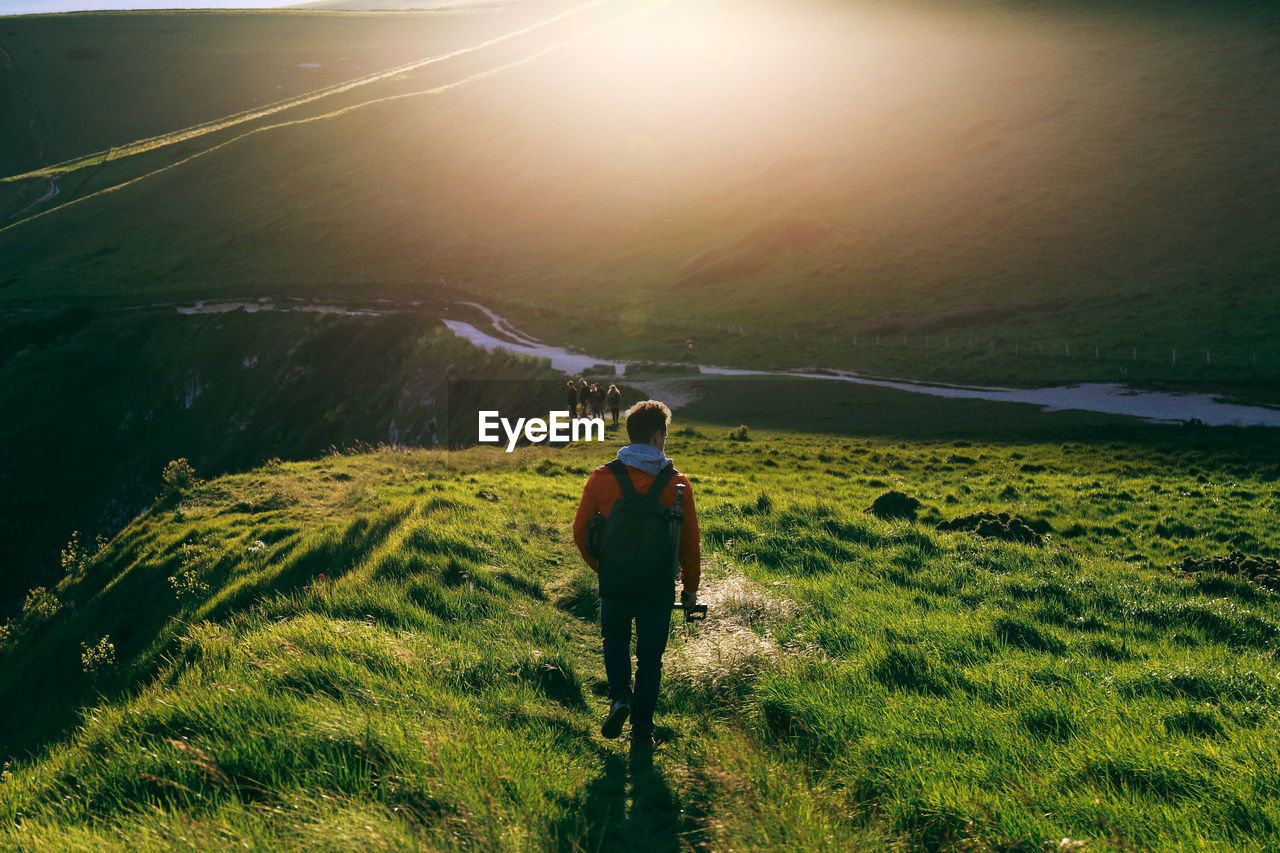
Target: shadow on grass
x=630 y=806
x=43 y=683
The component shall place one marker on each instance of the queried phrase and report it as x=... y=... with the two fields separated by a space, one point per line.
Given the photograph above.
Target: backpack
x=635 y=548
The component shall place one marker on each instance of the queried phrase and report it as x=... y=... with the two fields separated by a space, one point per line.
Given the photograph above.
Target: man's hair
x=645 y=418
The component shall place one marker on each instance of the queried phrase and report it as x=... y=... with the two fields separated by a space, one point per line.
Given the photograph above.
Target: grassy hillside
x=96 y=80
x=1092 y=175
x=1070 y=637
x=396 y=650
x=97 y=403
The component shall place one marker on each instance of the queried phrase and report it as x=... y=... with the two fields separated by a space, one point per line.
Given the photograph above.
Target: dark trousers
x=653 y=623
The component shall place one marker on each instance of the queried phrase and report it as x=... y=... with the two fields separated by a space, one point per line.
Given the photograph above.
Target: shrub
x=187 y=585
x=73 y=557
x=40 y=603
x=98 y=660
x=739 y=434
x=178 y=475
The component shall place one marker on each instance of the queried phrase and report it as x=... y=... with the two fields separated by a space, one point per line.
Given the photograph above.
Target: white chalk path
x=561 y=359
x=503 y=326
x=1106 y=398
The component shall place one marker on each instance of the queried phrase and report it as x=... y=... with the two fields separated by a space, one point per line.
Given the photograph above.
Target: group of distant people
x=589 y=401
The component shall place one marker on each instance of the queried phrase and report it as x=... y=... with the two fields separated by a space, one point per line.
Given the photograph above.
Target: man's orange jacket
x=602 y=491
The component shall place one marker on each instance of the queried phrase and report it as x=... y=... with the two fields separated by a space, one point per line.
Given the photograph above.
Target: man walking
x=573 y=398
x=634 y=565
x=614 y=399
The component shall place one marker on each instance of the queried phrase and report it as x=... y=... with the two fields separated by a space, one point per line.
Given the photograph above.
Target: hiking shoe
x=617 y=716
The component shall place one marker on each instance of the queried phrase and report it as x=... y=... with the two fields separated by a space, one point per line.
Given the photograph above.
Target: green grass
x=393 y=650
x=1092 y=175
x=861 y=684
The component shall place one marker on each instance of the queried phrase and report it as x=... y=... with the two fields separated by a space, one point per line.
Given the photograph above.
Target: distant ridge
x=400 y=5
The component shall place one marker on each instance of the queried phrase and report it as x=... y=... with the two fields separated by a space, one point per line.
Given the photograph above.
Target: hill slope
x=1096 y=175
x=99 y=402
x=396 y=651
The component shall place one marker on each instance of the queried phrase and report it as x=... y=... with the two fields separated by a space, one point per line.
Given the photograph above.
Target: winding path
x=1107 y=398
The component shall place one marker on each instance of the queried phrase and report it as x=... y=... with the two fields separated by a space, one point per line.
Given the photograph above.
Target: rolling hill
x=1095 y=178
x=396 y=650
x=330 y=637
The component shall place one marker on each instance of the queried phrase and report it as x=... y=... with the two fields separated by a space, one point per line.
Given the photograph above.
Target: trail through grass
x=398 y=650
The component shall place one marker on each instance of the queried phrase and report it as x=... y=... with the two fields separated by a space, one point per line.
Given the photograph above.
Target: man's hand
x=688 y=599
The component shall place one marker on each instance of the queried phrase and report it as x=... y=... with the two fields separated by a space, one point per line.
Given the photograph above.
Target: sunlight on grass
x=425 y=661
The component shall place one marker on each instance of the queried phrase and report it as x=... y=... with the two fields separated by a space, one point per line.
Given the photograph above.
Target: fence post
x=1174 y=356
x=1206 y=357
x=1135 y=353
